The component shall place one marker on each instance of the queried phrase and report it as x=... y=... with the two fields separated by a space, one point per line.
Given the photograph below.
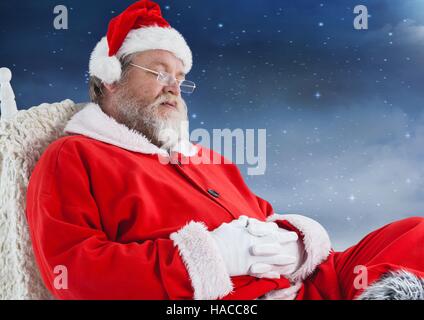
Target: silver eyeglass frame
x=167 y=79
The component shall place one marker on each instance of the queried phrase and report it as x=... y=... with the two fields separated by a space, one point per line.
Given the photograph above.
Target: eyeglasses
x=169 y=80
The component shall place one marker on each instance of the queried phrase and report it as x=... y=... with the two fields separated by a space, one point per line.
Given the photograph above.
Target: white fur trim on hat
x=108 y=69
x=149 y=38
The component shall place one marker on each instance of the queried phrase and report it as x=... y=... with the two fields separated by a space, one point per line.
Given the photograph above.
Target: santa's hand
x=288 y=243
x=247 y=254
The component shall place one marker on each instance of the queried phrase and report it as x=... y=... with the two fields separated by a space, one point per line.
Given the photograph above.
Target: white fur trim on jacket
x=315 y=239
x=108 y=68
x=204 y=263
x=92 y=122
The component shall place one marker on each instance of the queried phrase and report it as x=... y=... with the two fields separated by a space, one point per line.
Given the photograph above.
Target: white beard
x=170 y=131
x=165 y=128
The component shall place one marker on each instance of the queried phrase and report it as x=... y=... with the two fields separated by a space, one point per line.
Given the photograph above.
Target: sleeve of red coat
x=66 y=232
x=315 y=238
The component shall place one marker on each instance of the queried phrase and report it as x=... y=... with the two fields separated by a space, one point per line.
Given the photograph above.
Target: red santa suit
x=130 y=221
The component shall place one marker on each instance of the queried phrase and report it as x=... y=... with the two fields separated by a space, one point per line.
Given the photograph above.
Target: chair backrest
x=23 y=138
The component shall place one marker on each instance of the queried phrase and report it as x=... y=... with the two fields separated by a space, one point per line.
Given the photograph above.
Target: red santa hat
x=139 y=28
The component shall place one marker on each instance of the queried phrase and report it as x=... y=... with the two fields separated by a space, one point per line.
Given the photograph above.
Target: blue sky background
x=343 y=108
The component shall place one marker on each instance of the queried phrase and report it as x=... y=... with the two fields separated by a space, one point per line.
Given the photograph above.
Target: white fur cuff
x=204 y=263
x=315 y=239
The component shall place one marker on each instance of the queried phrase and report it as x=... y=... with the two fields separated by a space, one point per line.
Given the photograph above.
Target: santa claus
x=125 y=224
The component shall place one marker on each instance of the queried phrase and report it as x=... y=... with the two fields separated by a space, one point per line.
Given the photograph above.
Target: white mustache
x=167 y=99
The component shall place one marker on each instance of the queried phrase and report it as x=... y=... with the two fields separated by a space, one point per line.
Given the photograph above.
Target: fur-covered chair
x=24 y=135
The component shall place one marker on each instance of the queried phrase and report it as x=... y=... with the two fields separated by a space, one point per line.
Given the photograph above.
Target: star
x=317 y=95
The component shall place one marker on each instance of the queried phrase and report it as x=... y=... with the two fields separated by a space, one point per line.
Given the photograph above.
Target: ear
x=111 y=88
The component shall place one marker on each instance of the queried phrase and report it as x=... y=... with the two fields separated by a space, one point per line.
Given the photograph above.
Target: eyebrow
x=165 y=66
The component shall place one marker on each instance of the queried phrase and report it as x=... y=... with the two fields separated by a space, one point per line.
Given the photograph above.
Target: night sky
x=342 y=108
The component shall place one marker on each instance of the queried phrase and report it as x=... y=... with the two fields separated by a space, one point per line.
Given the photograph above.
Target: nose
x=173 y=89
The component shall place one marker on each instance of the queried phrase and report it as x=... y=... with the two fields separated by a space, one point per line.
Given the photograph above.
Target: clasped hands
x=260 y=249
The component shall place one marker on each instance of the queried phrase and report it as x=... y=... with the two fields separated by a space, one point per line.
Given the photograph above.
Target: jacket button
x=213 y=193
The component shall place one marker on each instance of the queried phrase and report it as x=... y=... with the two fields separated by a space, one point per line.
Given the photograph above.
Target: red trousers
x=344 y=275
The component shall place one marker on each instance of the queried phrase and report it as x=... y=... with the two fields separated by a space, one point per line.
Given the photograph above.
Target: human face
x=144 y=84
x=144 y=104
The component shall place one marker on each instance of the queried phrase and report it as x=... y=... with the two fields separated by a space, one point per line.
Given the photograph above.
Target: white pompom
x=106 y=68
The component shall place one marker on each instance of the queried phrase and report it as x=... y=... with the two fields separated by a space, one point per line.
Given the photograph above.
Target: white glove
x=248 y=254
x=293 y=247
